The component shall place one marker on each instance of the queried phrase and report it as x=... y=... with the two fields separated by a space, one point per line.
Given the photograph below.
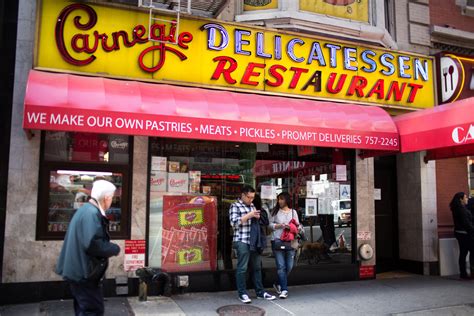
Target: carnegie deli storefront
x=180 y=127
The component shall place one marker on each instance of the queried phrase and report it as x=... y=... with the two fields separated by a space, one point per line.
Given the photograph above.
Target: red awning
x=67 y=102
x=445 y=131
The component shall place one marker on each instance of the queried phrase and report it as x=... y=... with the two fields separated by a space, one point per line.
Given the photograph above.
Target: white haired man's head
x=103 y=191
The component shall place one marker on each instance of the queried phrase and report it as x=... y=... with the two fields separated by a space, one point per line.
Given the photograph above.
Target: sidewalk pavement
x=395 y=294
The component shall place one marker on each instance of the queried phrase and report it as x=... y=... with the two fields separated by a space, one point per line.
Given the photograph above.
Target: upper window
x=389 y=17
x=71 y=162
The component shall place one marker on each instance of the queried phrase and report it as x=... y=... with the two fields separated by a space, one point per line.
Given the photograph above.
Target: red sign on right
x=455 y=77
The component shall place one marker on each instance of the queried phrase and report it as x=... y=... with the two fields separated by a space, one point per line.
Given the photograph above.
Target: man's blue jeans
x=244 y=255
x=284 y=262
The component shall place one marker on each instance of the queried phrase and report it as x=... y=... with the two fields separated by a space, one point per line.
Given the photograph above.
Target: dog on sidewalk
x=313 y=252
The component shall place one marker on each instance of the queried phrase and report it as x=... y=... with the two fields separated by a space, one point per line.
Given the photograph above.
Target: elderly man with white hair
x=86 y=249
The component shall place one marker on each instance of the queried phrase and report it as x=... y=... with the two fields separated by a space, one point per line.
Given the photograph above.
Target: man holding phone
x=240 y=214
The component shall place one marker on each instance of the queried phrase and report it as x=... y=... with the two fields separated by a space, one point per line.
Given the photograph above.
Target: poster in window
x=311 y=207
x=268 y=192
x=315 y=189
x=173 y=166
x=158 y=181
x=118 y=148
x=325 y=206
x=158 y=163
x=345 y=191
x=86 y=147
x=305 y=150
x=189 y=240
x=178 y=182
x=333 y=191
x=341 y=173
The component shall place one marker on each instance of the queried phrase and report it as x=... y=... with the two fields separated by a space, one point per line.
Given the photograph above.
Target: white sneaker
x=267 y=296
x=284 y=294
x=277 y=288
x=244 y=298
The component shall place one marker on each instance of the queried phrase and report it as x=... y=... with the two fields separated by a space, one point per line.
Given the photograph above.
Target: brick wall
x=451 y=177
x=438 y=16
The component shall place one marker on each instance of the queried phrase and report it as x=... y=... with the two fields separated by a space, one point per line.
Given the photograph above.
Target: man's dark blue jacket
x=87 y=246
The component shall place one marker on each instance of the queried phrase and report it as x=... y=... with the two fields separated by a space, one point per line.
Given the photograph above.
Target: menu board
x=189 y=240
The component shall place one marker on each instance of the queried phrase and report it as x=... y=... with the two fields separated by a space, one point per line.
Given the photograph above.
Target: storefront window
x=70 y=189
x=193 y=183
x=71 y=163
x=86 y=147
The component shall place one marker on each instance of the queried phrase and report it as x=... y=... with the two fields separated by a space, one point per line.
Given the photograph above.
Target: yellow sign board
x=357 y=10
x=253 y=5
x=113 y=42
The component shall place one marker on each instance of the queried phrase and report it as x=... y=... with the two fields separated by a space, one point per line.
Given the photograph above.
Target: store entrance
x=386 y=213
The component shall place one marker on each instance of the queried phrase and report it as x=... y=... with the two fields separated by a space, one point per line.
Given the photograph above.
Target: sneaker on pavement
x=277 y=288
x=284 y=294
x=244 y=298
x=266 y=296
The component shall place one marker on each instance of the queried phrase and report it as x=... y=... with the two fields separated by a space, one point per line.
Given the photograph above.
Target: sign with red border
x=134 y=254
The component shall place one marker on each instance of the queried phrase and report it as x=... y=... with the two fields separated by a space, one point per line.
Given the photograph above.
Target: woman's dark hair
x=257 y=202
x=285 y=196
x=456 y=201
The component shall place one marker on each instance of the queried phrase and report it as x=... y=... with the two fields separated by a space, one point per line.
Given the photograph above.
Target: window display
x=318 y=180
x=189 y=233
x=69 y=189
x=70 y=163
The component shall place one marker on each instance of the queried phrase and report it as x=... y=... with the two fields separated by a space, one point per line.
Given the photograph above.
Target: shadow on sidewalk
x=114 y=306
